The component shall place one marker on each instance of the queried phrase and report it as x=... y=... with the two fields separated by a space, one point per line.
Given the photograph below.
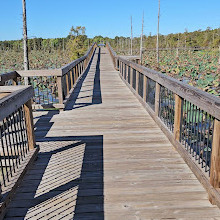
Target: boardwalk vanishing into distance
x=104 y=157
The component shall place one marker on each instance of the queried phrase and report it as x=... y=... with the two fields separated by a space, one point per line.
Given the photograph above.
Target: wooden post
x=215 y=158
x=60 y=89
x=79 y=69
x=14 y=81
x=137 y=81
x=71 y=78
x=74 y=73
x=127 y=73
x=131 y=75
x=177 y=117
x=82 y=67
x=157 y=98
x=145 y=89
x=86 y=61
x=29 y=124
x=67 y=83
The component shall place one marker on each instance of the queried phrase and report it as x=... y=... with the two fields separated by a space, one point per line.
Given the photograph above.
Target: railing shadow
x=74 y=101
x=43 y=123
x=66 y=182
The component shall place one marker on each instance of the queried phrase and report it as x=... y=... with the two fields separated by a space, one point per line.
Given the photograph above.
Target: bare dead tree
x=158 y=26
x=141 y=44
x=26 y=60
x=131 y=36
x=178 y=45
x=63 y=45
x=219 y=55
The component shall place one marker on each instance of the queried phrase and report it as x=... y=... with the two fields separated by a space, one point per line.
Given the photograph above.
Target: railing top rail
x=111 y=49
x=18 y=96
x=204 y=100
x=32 y=73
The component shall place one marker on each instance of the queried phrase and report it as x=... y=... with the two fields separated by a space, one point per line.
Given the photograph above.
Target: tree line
x=208 y=38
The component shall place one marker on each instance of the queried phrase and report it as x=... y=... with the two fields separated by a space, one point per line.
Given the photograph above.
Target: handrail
x=17 y=140
x=204 y=100
x=189 y=117
x=52 y=87
x=18 y=96
x=113 y=55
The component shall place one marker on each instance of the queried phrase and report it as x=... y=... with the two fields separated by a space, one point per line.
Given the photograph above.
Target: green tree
x=77 y=44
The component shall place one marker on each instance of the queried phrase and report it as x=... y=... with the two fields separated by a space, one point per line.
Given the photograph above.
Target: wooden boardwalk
x=105 y=158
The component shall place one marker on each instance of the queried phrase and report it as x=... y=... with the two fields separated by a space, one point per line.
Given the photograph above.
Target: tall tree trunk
x=26 y=61
x=158 y=26
x=219 y=56
x=141 y=45
x=178 y=45
x=131 y=36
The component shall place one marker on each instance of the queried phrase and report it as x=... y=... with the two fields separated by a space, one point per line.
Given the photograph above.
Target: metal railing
x=49 y=88
x=52 y=88
x=17 y=139
x=188 y=116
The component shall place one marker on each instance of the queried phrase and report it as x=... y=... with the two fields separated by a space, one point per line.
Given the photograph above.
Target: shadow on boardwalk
x=96 y=90
x=66 y=181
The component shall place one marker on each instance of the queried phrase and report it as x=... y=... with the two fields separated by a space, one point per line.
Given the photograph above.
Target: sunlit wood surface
x=105 y=158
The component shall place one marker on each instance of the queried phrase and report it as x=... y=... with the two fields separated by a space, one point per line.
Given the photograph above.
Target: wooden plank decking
x=105 y=158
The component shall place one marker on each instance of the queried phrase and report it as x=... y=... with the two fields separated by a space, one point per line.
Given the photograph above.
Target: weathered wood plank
x=177 y=117
x=29 y=124
x=215 y=158
x=105 y=157
x=32 y=73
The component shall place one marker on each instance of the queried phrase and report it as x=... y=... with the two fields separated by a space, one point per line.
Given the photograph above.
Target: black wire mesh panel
x=13 y=144
x=129 y=74
x=196 y=133
x=167 y=107
x=134 y=79
x=140 y=84
x=45 y=89
x=150 y=93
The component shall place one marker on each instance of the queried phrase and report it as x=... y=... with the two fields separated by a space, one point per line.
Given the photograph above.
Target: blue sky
x=54 y=18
